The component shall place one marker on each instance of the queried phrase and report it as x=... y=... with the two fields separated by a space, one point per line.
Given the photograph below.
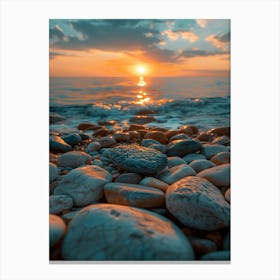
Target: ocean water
x=200 y=101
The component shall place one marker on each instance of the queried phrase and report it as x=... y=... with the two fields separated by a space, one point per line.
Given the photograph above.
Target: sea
x=175 y=101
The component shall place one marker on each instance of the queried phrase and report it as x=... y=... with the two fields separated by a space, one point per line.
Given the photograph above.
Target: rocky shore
x=139 y=193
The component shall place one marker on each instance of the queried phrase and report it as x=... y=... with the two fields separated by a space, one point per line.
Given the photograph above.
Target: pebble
x=197 y=203
x=142 y=119
x=134 y=135
x=101 y=132
x=122 y=136
x=179 y=137
x=135 y=158
x=159 y=147
x=72 y=139
x=182 y=147
x=227 y=195
x=155 y=183
x=189 y=130
x=218 y=175
x=191 y=157
x=58 y=145
x=142 y=235
x=204 y=137
x=92 y=147
x=157 y=135
x=131 y=178
x=134 y=195
x=219 y=131
x=202 y=246
x=57 y=229
x=53 y=172
x=148 y=142
x=73 y=159
x=87 y=126
x=174 y=161
x=216 y=256
x=136 y=127
x=201 y=164
x=170 y=133
x=221 y=158
x=210 y=150
x=222 y=140
x=59 y=203
x=107 y=141
x=84 y=184
x=176 y=173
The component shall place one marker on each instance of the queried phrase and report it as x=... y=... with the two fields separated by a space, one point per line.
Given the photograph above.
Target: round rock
x=53 y=172
x=59 y=203
x=201 y=164
x=84 y=184
x=57 y=229
x=197 y=203
x=72 y=139
x=131 y=178
x=191 y=157
x=209 y=150
x=155 y=183
x=135 y=158
x=174 y=161
x=202 y=246
x=157 y=135
x=134 y=195
x=107 y=141
x=141 y=235
x=222 y=140
x=221 y=158
x=227 y=195
x=182 y=147
x=58 y=145
x=74 y=159
x=92 y=147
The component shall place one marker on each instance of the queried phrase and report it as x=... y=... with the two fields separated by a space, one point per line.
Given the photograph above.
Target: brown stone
x=101 y=132
x=156 y=135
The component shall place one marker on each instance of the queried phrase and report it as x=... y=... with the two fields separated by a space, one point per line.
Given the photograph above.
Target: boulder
x=131 y=178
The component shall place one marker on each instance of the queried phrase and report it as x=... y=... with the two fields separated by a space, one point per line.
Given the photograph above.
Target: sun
x=141 y=70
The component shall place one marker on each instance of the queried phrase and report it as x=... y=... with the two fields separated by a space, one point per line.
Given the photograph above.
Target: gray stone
x=84 y=184
x=107 y=141
x=179 y=137
x=197 y=203
x=221 y=158
x=138 y=159
x=131 y=178
x=97 y=162
x=57 y=229
x=227 y=195
x=148 y=142
x=219 y=131
x=176 y=173
x=134 y=195
x=218 y=175
x=72 y=139
x=53 y=172
x=201 y=164
x=216 y=256
x=202 y=246
x=221 y=140
x=92 y=147
x=174 y=161
x=59 y=203
x=191 y=157
x=182 y=147
x=209 y=150
x=155 y=183
x=159 y=147
x=115 y=232
x=74 y=159
x=122 y=136
x=55 y=118
x=58 y=145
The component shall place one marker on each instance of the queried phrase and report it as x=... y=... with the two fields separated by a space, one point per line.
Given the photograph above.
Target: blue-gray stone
x=58 y=145
x=72 y=139
x=201 y=164
x=216 y=256
x=57 y=229
x=182 y=147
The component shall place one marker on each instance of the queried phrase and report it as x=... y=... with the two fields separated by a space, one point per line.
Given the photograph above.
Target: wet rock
x=201 y=164
x=84 y=184
x=107 y=141
x=179 y=136
x=55 y=118
x=74 y=159
x=221 y=158
x=227 y=195
x=174 y=161
x=134 y=195
x=93 y=146
x=136 y=127
x=156 y=135
x=159 y=147
x=218 y=175
x=142 y=235
x=88 y=126
x=226 y=241
x=202 y=246
x=122 y=136
x=134 y=135
x=182 y=147
x=107 y=122
x=58 y=145
x=216 y=256
x=219 y=131
x=176 y=173
x=145 y=112
x=131 y=178
x=222 y=140
x=97 y=162
x=57 y=229
x=170 y=133
x=84 y=136
x=53 y=172
x=101 y=132
x=59 y=203
x=142 y=132
x=142 y=119
x=189 y=130
x=191 y=157
x=210 y=150
x=72 y=139
x=197 y=203
x=148 y=142
x=155 y=183
x=69 y=216
x=204 y=137
x=138 y=159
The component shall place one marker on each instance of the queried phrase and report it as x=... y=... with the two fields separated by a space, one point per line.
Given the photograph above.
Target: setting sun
x=141 y=70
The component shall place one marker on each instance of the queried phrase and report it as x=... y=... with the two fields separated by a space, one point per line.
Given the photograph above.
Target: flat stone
x=53 y=172
x=107 y=122
x=84 y=184
x=222 y=140
x=155 y=183
x=202 y=246
x=216 y=256
x=201 y=164
x=174 y=161
x=73 y=159
x=88 y=126
x=101 y=132
x=59 y=203
x=134 y=195
x=182 y=147
x=131 y=178
x=58 y=145
x=135 y=158
x=57 y=229
x=157 y=135
x=209 y=150
x=176 y=173
x=142 y=119
x=197 y=203
x=218 y=175
x=221 y=158
x=92 y=147
x=227 y=195
x=107 y=141
x=191 y=157
x=72 y=139
x=141 y=235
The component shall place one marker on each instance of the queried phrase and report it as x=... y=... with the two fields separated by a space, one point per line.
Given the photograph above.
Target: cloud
x=220 y=41
x=175 y=35
x=198 y=52
x=201 y=22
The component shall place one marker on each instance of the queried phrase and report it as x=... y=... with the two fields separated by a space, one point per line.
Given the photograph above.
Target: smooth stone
x=210 y=150
x=218 y=175
x=179 y=137
x=55 y=118
x=155 y=183
x=142 y=132
x=92 y=147
x=148 y=142
x=159 y=147
x=202 y=246
x=57 y=229
x=73 y=159
x=101 y=132
x=142 y=119
x=84 y=184
x=197 y=203
x=160 y=211
x=219 y=131
x=170 y=133
x=107 y=142
x=134 y=195
x=176 y=173
x=141 y=235
x=84 y=136
x=227 y=195
x=182 y=147
x=135 y=158
x=122 y=136
x=201 y=164
x=72 y=139
x=136 y=127
x=107 y=122
x=221 y=158
x=221 y=140
x=87 y=126
x=131 y=178
x=216 y=256
x=134 y=134
x=53 y=172
x=59 y=203
x=189 y=130
x=69 y=216
x=204 y=137
x=226 y=241
x=58 y=145
x=174 y=161
x=157 y=135
x=191 y=157
x=97 y=162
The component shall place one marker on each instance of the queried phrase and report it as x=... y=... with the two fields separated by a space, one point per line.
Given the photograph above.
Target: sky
x=118 y=47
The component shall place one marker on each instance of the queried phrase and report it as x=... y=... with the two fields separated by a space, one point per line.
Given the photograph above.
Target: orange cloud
x=175 y=35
